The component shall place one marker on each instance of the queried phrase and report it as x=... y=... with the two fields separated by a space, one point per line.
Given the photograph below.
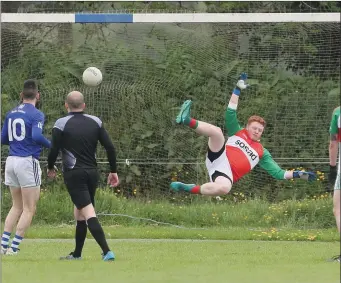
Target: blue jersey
x=22 y=131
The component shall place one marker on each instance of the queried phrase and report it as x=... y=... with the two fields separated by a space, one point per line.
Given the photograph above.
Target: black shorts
x=81 y=185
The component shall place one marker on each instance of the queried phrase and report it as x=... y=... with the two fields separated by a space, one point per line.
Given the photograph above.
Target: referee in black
x=76 y=136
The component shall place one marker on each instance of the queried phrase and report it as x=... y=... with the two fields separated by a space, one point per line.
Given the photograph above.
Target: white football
x=92 y=76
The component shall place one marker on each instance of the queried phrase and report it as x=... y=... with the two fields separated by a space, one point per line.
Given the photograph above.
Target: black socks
x=80 y=236
x=98 y=233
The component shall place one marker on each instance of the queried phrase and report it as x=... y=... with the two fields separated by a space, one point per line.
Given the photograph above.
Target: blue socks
x=16 y=242
x=5 y=239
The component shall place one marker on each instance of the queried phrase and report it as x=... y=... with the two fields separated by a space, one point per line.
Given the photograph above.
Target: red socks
x=195 y=190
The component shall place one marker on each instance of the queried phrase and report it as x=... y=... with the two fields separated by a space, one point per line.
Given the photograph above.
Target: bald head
x=75 y=101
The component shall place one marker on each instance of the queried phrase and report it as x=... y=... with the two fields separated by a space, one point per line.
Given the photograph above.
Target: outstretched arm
x=270 y=166
x=231 y=121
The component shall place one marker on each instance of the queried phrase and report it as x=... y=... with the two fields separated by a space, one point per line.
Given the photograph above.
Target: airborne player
x=229 y=160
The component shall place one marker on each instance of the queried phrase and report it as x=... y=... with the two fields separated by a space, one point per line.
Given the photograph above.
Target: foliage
x=150 y=69
x=235 y=210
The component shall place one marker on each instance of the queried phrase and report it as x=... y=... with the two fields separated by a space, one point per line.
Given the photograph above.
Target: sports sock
x=98 y=233
x=195 y=190
x=80 y=236
x=5 y=239
x=192 y=123
x=191 y=188
x=16 y=242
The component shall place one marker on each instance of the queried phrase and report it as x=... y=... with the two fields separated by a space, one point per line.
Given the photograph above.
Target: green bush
x=150 y=69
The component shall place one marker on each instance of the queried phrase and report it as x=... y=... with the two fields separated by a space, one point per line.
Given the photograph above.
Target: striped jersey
x=244 y=153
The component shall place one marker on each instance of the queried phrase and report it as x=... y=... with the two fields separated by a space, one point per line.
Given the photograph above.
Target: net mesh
x=150 y=69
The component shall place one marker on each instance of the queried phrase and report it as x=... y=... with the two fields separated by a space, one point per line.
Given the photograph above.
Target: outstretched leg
x=220 y=186
x=216 y=141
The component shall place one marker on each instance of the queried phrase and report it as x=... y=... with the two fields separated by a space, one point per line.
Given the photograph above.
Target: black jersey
x=76 y=136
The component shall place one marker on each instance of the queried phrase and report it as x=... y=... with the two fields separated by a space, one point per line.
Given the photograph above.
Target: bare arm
x=231 y=121
x=233 y=103
x=333 y=150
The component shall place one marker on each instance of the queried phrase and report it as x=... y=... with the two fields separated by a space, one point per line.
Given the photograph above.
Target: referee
x=76 y=136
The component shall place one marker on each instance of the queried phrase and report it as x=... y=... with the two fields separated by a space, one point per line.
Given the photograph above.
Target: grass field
x=55 y=207
x=176 y=261
x=63 y=231
x=254 y=241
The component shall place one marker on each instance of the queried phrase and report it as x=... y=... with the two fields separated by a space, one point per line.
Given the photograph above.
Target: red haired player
x=229 y=160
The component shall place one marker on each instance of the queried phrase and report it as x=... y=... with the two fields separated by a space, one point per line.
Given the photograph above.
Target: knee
x=78 y=215
x=218 y=131
x=88 y=211
x=30 y=209
x=17 y=209
x=224 y=189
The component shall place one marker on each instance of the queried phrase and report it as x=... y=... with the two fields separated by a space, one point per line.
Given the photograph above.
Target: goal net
x=149 y=69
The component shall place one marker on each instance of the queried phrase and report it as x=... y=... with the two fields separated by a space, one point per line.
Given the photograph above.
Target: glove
x=332 y=175
x=308 y=176
x=241 y=84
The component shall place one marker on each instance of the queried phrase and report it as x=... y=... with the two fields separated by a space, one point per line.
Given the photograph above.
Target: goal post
x=170 y=17
x=152 y=62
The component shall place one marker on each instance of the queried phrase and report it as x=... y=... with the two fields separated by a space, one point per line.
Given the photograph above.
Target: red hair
x=258 y=119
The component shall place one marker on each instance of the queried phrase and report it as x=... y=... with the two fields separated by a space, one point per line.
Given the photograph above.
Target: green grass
x=55 y=207
x=212 y=233
x=278 y=243
x=176 y=262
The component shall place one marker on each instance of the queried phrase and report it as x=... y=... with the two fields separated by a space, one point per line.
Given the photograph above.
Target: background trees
x=149 y=69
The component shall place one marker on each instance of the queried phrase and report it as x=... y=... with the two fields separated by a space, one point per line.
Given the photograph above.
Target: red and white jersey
x=243 y=153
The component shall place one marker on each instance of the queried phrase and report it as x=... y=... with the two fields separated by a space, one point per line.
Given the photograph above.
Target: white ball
x=92 y=76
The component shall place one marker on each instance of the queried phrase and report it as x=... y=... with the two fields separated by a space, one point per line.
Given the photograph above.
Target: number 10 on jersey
x=12 y=129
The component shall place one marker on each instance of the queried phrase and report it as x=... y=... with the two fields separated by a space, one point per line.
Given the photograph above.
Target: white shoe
x=11 y=252
x=3 y=251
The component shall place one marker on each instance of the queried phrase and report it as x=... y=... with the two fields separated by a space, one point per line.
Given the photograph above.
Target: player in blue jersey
x=22 y=131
